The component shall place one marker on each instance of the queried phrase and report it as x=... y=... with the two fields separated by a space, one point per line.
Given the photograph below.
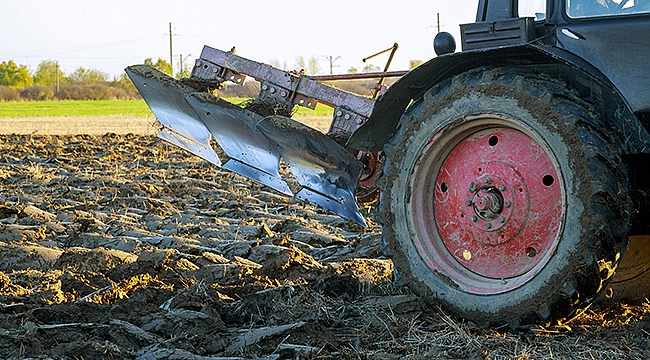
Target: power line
x=78 y=48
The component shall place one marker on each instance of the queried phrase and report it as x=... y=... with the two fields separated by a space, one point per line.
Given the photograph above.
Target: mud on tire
x=482 y=228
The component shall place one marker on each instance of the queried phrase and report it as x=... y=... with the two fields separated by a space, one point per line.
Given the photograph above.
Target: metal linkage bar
x=300 y=89
x=368 y=75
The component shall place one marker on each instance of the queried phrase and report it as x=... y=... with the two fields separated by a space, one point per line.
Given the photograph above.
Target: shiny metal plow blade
x=326 y=170
x=251 y=153
x=166 y=98
x=190 y=118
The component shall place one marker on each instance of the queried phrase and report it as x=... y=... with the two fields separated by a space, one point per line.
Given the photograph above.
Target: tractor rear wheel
x=502 y=201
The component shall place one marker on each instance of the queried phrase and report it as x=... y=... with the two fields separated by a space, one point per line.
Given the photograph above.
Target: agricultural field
x=115 y=245
x=126 y=108
x=106 y=116
x=74 y=108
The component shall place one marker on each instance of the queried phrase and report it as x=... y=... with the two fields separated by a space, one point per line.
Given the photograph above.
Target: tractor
x=513 y=176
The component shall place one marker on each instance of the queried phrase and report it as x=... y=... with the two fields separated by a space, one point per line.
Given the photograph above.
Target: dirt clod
x=124 y=247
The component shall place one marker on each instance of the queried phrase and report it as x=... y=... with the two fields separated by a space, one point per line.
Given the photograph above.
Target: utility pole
x=182 y=65
x=438 y=22
x=332 y=60
x=171 y=59
x=57 y=77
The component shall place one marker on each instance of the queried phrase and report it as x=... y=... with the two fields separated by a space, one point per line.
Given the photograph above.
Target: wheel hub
x=498 y=203
x=488 y=203
x=490 y=206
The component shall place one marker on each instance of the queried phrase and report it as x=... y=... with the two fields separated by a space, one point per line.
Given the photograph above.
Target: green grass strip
x=76 y=108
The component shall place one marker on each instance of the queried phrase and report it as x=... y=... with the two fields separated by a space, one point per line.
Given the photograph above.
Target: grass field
x=109 y=116
x=74 y=108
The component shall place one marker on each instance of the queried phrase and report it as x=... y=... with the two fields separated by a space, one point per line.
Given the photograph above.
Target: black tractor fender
x=580 y=75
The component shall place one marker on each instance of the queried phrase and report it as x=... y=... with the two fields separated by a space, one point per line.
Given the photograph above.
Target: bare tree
x=300 y=63
x=275 y=63
x=313 y=65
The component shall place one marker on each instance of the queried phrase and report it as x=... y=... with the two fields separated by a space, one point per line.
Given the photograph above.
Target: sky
x=109 y=35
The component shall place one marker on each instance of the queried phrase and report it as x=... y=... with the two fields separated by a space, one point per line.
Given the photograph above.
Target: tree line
x=48 y=82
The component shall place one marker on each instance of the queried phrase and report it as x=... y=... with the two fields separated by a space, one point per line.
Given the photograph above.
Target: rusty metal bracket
x=380 y=88
x=298 y=88
x=283 y=86
x=210 y=71
x=345 y=121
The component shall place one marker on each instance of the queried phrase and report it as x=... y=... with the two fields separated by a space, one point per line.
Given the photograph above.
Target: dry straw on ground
x=121 y=246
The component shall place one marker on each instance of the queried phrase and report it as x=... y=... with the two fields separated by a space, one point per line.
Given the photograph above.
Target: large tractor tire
x=503 y=200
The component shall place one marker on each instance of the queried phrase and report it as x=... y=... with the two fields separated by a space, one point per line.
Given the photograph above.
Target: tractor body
x=512 y=175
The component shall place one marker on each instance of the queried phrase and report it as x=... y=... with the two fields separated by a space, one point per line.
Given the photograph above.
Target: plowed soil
x=123 y=247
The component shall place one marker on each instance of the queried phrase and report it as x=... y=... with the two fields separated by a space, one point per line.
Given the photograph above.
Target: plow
x=255 y=137
x=512 y=175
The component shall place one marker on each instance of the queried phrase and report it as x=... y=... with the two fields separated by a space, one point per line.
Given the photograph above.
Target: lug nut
x=473 y=218
x=502 y=219
x=468 y=202
x=507 y=203
x=502 y=187
x=531 y=252
x=488 y=225
x=471 y=187
x=488 y=180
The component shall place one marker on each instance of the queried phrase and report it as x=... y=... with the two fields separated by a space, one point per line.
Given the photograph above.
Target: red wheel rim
x=486 y=204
